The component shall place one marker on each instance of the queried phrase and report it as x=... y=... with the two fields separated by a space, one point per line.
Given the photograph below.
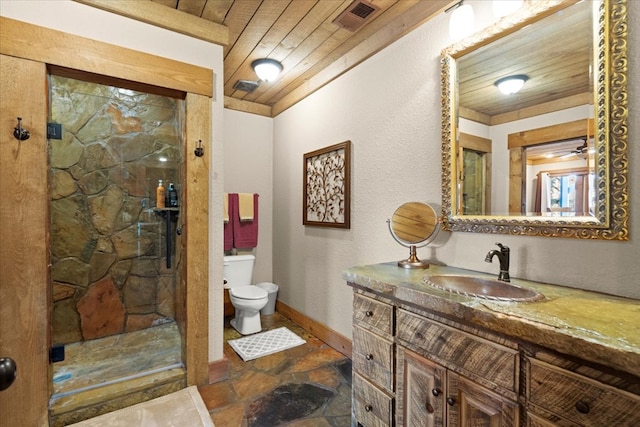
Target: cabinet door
x=421 y=391
x=469 y=404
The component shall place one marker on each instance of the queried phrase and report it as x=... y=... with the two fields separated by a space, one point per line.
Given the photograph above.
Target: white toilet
x=247 y=299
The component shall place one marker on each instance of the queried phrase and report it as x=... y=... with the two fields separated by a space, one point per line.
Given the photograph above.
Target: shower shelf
x=168 y=214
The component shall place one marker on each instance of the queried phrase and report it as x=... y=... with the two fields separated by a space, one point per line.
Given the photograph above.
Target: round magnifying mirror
x=414 y=225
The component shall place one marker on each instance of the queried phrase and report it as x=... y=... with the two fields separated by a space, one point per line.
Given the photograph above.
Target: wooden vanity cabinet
x=373 y=362
x=415 y=367
x=558 y=394
x=431 y=394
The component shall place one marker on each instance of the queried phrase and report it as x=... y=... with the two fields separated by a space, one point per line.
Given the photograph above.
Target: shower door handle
x=8 y=372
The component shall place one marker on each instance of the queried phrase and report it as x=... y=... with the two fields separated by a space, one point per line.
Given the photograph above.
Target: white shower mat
x=264 y=343
x=182 y=408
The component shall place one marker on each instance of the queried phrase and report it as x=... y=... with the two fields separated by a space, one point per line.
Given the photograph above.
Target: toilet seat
x=248 y=292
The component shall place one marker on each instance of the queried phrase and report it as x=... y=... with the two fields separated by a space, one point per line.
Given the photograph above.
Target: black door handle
x=8 y=372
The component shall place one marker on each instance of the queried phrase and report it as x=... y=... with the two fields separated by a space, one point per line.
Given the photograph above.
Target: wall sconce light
x=505 y=7
x=461 y=21
x=511 y=84
x=266 y=69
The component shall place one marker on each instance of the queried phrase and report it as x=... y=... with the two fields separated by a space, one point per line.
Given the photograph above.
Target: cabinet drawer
x=458 y=350
x=373 y=358
x=580 y=399
x=373 y=315
x=372 y=407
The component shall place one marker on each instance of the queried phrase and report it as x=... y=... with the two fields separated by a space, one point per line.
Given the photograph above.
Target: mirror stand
x=414 y=225
x=413 y=261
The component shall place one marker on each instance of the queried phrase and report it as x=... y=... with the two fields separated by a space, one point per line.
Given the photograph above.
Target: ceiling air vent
x=246 y=85
x=356 y=15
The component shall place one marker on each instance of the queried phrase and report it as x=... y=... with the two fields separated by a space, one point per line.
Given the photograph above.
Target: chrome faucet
x=503 y=257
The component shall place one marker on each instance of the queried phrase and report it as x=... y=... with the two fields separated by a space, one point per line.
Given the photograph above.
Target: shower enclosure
x=116 y=257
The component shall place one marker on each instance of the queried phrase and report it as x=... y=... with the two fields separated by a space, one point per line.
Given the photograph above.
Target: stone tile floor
x=306 y=386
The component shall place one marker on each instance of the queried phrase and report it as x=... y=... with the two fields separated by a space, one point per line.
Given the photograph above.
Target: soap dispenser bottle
x=160 y=194
x=172 y=196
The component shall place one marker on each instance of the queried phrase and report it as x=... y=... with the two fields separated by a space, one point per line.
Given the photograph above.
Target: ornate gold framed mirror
x=496 y=172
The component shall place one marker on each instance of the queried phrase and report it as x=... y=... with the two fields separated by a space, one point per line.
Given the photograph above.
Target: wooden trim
x=113 y=81
x=165 y=17
x=568 y=130
x=320 y=331
x=247 y=106
x=473 y=115
x=52 y=47
x=218 y=370
x=474 y=142
x=516 y=180
x=543 y=108
x=198 y=128
x=25 y=281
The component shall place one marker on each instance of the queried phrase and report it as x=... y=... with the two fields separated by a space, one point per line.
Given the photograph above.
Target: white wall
x=92 y=23
x=389 y=107
x=248 y=154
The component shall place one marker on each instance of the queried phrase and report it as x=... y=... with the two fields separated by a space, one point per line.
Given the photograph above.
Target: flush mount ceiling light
x=461 y=21
x=511 y=84
x=266 y=69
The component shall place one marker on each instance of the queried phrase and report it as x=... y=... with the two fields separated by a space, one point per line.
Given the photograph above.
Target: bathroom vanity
x=425 y=356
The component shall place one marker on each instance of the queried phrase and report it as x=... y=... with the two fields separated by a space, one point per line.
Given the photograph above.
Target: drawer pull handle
x=582 y=407
x=451 y=401
x=368 y=313
x=369 y=356
x=429 y=408
x=436 y=392
x=368 y=408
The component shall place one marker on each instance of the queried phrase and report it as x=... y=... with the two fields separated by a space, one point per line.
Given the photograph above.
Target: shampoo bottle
x=160 y=195
x=173 y=196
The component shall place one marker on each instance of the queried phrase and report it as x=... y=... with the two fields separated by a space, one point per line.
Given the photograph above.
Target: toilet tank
x=238 y=270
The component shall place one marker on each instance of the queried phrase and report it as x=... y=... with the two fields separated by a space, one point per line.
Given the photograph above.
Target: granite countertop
x=597 y=327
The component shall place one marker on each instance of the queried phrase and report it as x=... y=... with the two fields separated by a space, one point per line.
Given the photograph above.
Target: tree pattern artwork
x=326 y=187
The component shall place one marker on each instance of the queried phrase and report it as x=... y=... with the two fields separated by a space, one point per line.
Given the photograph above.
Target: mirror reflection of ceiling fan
x=567 y=150
x=580 y=151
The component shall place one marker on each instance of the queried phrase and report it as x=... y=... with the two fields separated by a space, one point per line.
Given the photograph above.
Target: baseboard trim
x=329 y=336
x=219 y=369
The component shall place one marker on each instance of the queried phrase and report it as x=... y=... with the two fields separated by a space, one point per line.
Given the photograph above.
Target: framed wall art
x=327 y=186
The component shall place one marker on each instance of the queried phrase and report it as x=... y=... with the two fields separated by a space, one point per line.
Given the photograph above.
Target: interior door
x=24 y=277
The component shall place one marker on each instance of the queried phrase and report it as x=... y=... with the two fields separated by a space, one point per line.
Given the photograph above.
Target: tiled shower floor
x=93 y=363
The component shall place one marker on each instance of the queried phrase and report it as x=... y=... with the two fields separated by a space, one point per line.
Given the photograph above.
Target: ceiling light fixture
x=461 y=21
x=267 y=69
x=511 y=84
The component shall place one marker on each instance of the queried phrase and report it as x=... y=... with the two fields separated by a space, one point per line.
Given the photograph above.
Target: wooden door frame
x=91 y=57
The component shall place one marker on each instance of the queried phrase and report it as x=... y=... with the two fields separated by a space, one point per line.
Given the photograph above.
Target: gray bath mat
x=264 y=343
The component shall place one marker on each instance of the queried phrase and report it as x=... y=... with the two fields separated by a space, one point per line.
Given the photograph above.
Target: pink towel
x=228 y=226
x=245 y=233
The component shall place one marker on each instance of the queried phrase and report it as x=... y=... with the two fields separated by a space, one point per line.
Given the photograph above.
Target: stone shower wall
x=108 y=244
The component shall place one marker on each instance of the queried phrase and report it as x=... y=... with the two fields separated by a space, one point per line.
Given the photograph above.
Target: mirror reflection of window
x=560 y=179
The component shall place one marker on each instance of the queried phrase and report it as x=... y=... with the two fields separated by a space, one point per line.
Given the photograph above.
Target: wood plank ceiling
x=314 y=50
x=301 y=35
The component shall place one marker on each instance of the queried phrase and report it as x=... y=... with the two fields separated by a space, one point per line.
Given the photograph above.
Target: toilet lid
x=248 y=292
